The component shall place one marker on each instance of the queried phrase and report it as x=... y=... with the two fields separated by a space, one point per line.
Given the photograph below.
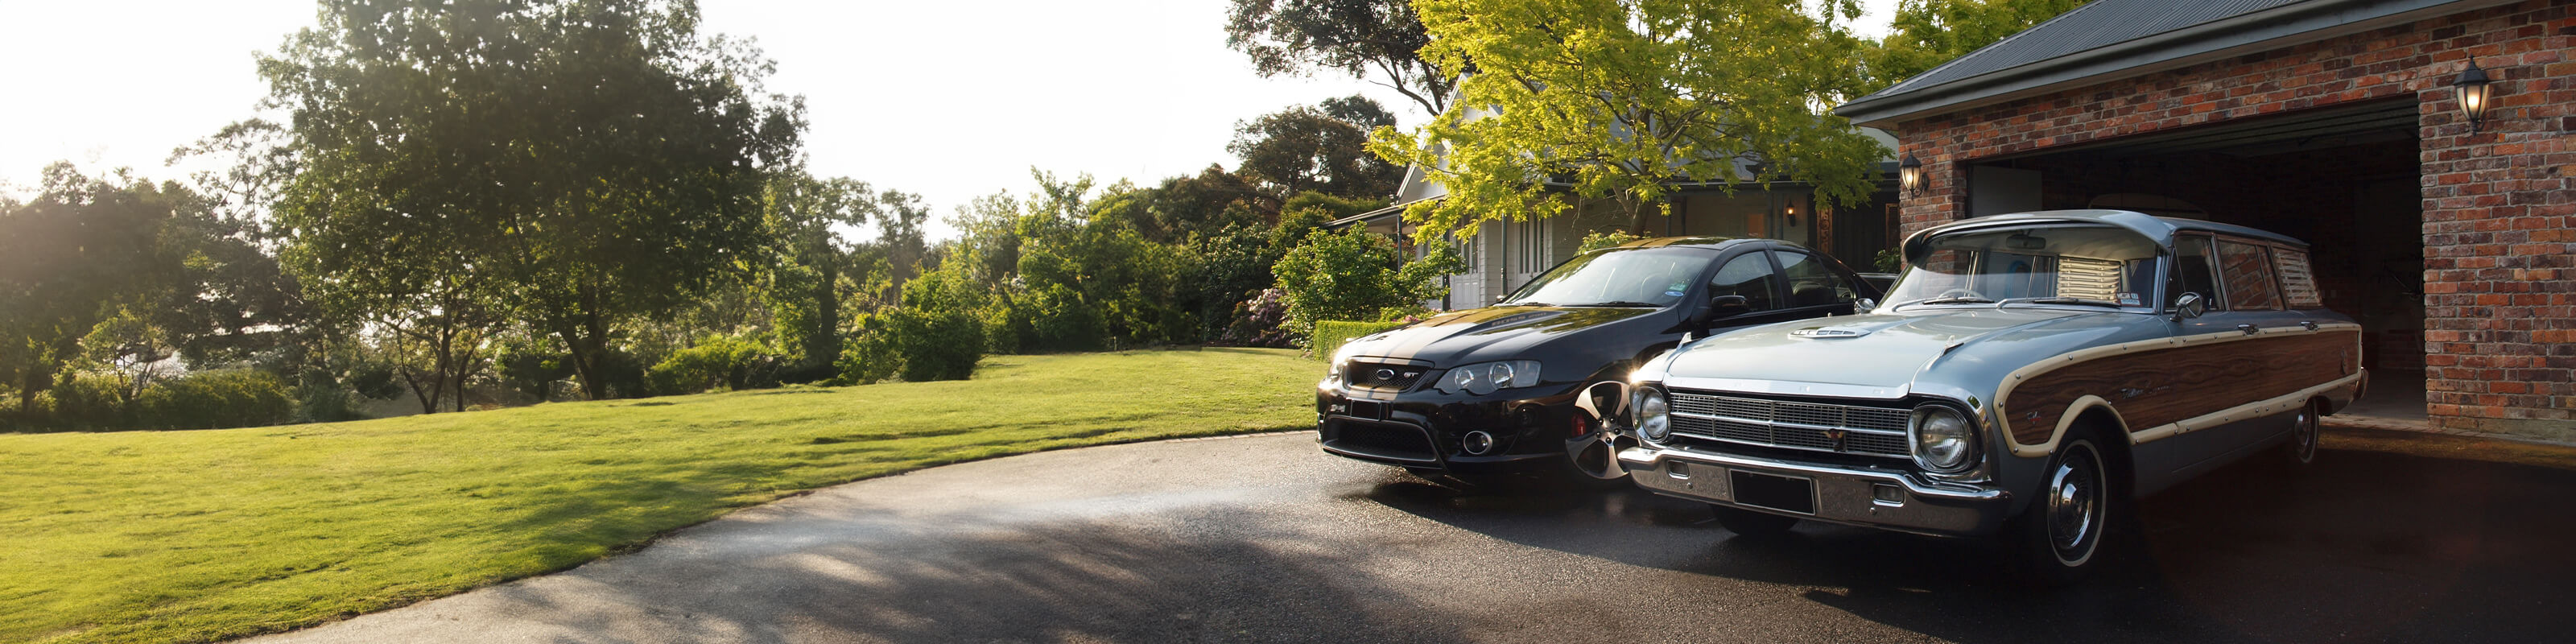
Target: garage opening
x=2344 y=179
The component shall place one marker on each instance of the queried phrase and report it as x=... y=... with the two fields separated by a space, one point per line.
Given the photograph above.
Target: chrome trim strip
x=1787 y=388
x=1741 y=419
x=1646 y=457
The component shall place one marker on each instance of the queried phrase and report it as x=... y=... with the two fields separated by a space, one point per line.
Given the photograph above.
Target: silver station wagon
x=2028 y=377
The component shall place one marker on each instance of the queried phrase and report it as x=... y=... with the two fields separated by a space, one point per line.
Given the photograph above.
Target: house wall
x=2498 y=205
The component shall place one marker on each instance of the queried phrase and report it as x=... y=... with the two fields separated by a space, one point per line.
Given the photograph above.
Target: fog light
x=1478 y=443
x=1887 y=494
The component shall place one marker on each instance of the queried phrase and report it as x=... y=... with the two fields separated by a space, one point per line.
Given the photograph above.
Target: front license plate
x=1775 y=492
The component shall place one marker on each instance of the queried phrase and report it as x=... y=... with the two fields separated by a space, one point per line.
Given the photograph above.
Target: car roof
x=1700 y=241
x=2159 y=229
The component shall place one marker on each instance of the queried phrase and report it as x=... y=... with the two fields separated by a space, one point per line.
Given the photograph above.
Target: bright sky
x=952 y=100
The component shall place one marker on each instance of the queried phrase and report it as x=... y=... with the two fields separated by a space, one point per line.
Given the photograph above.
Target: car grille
x=1399 y=377
x=1876 y=431
x=1388 y=441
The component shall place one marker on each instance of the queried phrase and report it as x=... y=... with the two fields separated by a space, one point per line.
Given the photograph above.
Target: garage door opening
x=2344 y=179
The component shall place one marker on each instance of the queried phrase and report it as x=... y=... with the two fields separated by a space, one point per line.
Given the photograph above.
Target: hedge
x=1331 y=334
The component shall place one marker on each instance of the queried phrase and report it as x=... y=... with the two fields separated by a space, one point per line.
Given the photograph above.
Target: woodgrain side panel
x=2159 y=386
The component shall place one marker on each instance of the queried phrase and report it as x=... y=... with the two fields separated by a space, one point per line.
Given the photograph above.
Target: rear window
x=2297 y=285
x=2246 y=270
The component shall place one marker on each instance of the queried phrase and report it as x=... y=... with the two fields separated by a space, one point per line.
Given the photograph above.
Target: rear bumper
x=1841 y=494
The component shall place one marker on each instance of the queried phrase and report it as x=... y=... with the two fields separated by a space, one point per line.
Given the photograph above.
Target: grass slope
x=196 y=536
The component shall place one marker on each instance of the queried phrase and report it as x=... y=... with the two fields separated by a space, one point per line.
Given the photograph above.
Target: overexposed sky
x=952 y=100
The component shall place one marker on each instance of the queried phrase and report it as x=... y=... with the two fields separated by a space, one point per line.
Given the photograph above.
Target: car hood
x=1507 y=333
x=1872 y=351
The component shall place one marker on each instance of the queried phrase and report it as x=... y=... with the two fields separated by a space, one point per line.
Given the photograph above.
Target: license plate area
x=1784 y=493
x=1369 y=409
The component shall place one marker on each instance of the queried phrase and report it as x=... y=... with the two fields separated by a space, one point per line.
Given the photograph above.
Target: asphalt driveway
x=1266 y=539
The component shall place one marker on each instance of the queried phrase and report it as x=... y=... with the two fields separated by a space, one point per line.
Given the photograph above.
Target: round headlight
x=1654 y=415
x=1500 y=373
x=1943 y=439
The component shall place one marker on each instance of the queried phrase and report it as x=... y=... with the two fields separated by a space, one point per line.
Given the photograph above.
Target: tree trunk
x=825 y=345
x=586 y=340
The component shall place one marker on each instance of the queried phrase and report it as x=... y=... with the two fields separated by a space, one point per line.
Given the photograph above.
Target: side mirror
x=1864 y=305
x=1726 y=306
x=2189 y=306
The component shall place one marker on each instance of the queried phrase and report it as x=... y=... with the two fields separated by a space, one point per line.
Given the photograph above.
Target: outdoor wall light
x=1909 y=174
x=2472 y=90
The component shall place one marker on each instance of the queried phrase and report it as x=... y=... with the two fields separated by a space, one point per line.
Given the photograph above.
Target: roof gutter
x=2214 y=40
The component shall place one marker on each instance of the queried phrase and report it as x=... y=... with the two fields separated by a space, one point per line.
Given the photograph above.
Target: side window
x=2193 y=273
x=1811 y=283
x=2247 y=268
x=1750 y=276
x=2297 y=284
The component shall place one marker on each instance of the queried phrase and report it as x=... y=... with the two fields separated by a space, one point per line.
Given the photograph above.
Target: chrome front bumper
x=1842 y=494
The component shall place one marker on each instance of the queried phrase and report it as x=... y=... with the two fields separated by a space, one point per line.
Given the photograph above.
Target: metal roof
x=2159 y=229
x=2110 y=39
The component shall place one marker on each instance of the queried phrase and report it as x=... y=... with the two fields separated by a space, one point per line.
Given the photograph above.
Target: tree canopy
x=571 y=162
x=1619 y=99
x=1927 y=33
x=1321 y=148
x=1364 y=38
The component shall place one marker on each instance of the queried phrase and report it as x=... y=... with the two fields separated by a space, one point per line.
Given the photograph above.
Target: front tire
x=1751 y=524
x=2059 y=538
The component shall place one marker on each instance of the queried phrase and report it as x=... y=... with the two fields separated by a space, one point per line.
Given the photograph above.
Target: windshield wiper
x=2058 y=300
x=1951 y=300
x=1522 y=304
x=1620 y=303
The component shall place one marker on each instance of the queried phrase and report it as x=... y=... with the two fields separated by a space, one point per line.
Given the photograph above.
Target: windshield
x=1653 y=277
x=2079 y=266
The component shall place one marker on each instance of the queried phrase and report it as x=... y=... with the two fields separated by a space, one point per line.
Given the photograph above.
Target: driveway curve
x=1263 y=538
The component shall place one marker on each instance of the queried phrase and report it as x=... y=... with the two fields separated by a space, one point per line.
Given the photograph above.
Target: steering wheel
x=1961 y=292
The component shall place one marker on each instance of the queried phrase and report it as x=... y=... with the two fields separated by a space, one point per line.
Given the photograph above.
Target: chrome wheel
x=2303 y=436
x=2075 y=510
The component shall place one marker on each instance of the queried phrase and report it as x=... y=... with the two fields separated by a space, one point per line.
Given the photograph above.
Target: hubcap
x=2304 y=437
x=2075 y=504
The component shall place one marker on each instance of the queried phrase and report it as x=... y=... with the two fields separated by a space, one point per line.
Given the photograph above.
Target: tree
x=1321 y=148
x=805 y=297
x=1619 y=99
x=1927 y=33
x=1362 y=38
x=71 y=257
x=572 y=163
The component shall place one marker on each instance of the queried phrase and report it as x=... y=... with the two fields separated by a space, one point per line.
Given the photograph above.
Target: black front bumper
x=1425 y=430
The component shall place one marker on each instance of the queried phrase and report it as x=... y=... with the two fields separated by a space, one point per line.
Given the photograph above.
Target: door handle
x=2249 y=329
x=2310 y=324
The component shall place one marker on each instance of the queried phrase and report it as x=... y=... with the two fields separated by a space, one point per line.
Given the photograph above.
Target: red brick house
x=2336 y=121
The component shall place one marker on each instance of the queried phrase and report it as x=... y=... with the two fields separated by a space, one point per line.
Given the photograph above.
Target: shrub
x=1256 y=321
x=716 y=362
x=936 y=345
x=1330 y=335
x=94 y=403
x=1355 y=275
x=868 y=356
x=217 y=399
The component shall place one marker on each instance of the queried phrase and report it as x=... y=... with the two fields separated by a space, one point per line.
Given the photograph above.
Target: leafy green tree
x=71 y=257
x=572 y=163
x=1619 y=99
x=1926 y=33
x=1374 y=39
x=1321 y=148
x=806 y=292
x=1358 y=276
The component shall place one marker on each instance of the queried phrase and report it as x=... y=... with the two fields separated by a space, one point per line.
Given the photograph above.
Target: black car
x=1488 y=395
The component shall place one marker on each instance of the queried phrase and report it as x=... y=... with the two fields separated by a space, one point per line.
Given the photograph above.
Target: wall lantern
x=2472 y=90
x=1909 y=174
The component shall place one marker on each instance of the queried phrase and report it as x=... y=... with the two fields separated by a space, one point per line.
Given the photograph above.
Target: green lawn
x=205 y=535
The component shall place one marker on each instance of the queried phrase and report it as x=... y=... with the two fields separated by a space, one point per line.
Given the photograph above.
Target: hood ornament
x=1829 y=332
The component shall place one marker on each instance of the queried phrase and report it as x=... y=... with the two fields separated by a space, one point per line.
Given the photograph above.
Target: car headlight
x=1487 y=377
x=1944 y=440
x=1654 y=414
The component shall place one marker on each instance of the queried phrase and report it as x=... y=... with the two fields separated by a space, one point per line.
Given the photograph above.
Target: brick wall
x=2498 y=205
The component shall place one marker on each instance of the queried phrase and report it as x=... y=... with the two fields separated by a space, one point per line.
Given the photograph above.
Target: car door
x=2234 y=354
x=1813 y=288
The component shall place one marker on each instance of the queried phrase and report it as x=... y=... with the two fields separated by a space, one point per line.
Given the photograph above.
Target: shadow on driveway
x=2361 y=546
